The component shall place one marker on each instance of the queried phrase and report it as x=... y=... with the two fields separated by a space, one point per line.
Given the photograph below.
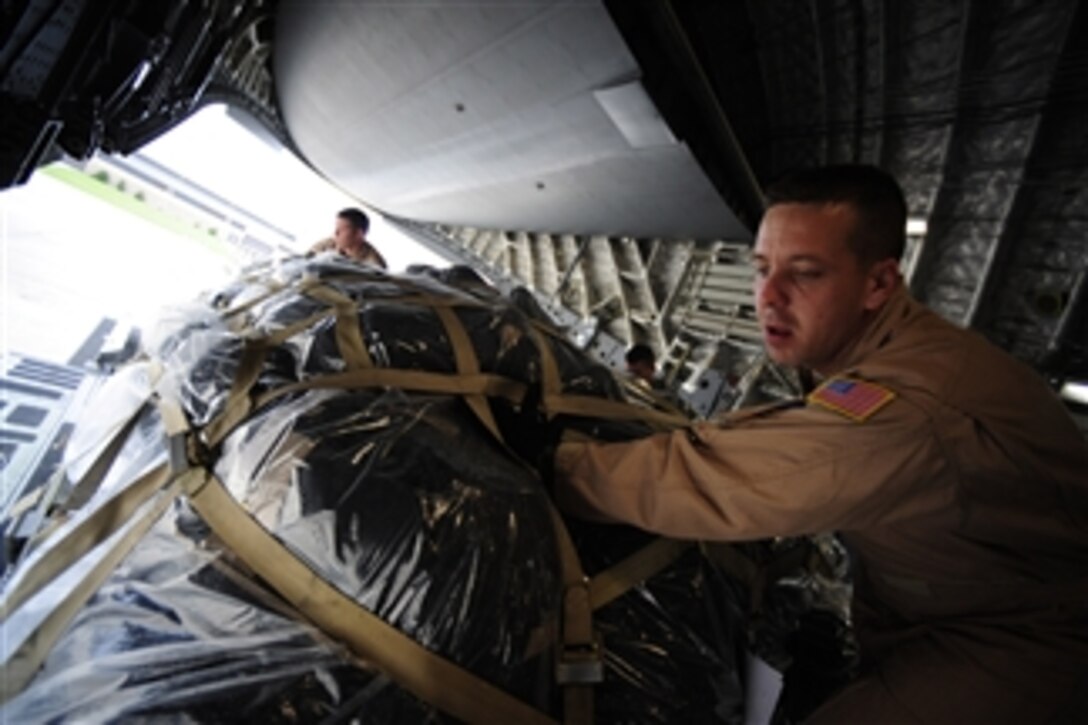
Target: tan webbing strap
x=464 y=356
x=26 y=503
x=349 y=338
x=46 y=527
x=280 y=336
x=579 y=665
x=425 y=674
x=423 y=299
x=578 y=707
x=180 y=445
x=249 y=304
x=86 y=535
x=299 y=287
x=238 y=402
x=412 y=297
x=25 y=661
x=434 y=301
x=93 y=477
x=415 y=380
x=240 y=576
x=554 y=401
x=174 y=421
x=619 y=578
x=551 y=386
x=612 y=583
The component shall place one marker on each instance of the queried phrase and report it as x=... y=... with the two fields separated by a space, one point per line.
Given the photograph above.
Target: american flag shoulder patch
x=856 y=399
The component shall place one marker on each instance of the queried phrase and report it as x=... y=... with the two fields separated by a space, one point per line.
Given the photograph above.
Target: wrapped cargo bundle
x=330 y=512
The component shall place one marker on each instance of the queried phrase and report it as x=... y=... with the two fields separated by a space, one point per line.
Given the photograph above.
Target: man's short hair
x=640 y=353
x=874 y=194
x=357 y=217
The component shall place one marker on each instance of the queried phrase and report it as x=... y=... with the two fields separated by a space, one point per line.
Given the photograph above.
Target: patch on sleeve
x=856 y=399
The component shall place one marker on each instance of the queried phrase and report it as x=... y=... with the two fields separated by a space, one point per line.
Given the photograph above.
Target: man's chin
x=778 y=351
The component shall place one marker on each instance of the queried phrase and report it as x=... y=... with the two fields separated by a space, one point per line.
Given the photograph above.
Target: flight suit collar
x=899 y=308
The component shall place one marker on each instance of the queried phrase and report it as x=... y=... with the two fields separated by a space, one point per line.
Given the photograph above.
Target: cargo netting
x=318 y=498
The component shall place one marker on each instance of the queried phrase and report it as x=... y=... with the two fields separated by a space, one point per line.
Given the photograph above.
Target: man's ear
x=884 y=280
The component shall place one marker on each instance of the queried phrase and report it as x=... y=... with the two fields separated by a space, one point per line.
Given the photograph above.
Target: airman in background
x=349 y=239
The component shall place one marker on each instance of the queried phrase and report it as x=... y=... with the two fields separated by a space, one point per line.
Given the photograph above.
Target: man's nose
x=769 y=291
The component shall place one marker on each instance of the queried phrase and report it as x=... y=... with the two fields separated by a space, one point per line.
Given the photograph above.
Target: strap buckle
x=186 y=451
x=177 y=445
x=579 y=664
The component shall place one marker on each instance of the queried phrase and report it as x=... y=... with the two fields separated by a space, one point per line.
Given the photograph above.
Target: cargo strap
x=578 y=662
x=352 y=347
x=302 y=286
x=84 y=489
x=618 y=579
x=579 y=659
x=136 y=505
x=612 y=583
x=82 y=537
x=274 y=288
x=555 y=402
x=428 y=676
x=468 y=382
x=24 y=662
x=93 y=477
x=27 y=502
x=349 y=338
x=272 y=291
x=486 y=384
x=239 y=404
x=464 y=356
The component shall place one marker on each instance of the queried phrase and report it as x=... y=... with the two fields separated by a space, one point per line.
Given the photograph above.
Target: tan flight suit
x=365 y=253
x=964 y=500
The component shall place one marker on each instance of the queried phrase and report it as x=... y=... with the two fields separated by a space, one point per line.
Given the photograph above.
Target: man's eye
x=760 y=271
x=807 y=274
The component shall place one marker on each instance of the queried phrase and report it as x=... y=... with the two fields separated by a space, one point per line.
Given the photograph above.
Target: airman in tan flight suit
x=952 y=471
x=349 y=239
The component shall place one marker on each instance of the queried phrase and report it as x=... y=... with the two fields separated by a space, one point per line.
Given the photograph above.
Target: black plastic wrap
x=404 y=502
x=800 y=621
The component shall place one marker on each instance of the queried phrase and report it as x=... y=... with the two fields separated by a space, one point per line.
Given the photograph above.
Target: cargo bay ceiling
x=611 y=154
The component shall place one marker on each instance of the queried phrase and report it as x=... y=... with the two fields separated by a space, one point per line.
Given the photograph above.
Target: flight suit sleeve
x=789 y=472
x=375 y=257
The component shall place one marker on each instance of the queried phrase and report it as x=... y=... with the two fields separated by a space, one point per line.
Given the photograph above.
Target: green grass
x=127 y=202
